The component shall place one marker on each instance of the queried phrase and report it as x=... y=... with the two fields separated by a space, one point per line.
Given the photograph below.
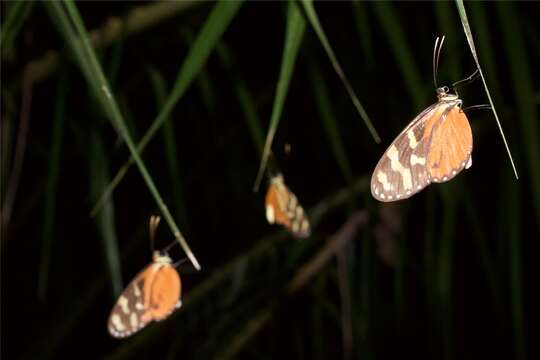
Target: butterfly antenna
x=154 y=222
x=180 y=262
x=436 y=55
x=170 y=246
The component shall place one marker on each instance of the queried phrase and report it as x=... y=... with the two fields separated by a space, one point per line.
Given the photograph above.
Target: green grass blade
x=217 y=278
x=470 y=40
x=15 y=18
x=52 y=187
x=207 y=39
x=484 y=34
x=71 y=26
x=106 y=219
x=322 y=101
x=204 y=83
x=393 y=31
x=169 y=142
x=294 y=34
x=521 y=75
x=314 y=21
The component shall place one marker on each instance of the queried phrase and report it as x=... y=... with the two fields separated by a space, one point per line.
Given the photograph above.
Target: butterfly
x=433 y=148
x=152 y=295
x=282 y=207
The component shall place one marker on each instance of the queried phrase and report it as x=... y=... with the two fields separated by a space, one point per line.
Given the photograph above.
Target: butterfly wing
x=402 y=171
x=165 y=293
x=451 y=146
x=128 y=314
x=282 y=207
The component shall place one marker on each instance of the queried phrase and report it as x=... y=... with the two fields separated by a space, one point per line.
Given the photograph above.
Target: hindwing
x=283 y=207
x=402 y=170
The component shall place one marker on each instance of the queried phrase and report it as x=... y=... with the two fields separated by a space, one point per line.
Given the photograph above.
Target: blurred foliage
x=445 y=274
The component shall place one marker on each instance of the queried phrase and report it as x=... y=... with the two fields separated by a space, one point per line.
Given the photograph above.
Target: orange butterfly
x=152 y=295
x=282 y=207
x=434 y=147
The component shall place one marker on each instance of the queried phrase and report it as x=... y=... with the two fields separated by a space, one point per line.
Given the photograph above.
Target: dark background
x=459 y=270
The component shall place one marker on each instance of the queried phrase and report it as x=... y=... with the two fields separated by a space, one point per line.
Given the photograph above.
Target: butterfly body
x=434 y=147
x=152 y=295
x=282 y=207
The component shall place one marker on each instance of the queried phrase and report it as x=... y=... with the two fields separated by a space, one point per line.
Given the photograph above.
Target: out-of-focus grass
x=106 y=218
x=49 y=213
x=245 y=98
x=259 y=256
x=470 y=40
x=169 y=142
x=311 y=14
x=17 y=13
x=445 y=268
x=293 y=39
x=215 y=25
x=72 y=28
x=390 y=23
x=362 y=22
x=526 y=109
x=447 y=22
x=326 y=113
x=520 y=71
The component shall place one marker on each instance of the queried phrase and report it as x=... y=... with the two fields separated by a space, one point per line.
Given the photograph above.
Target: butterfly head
x=444 y=95
x=276 y=179
x=162 y=258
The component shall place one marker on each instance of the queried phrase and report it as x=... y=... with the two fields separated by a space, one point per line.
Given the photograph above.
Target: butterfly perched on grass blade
x=282 y=207
x=152 y=295
x=434 y=147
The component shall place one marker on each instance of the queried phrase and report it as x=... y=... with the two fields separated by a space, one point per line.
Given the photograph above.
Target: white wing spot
x=295 y=226
x=270 y=214
x=398 y=196
x=305 y=226
x=469 y=163
x=408 y=192
x=136 y=290
x=412 y=139
x=376 y=191
x=123 y=303
x=139 y=306
x=454 y=172
x=417 y=160
x=293 y=202
x=393 y=155
x=115 y=319
x=419 y=187
x=383 y=179
x=389 y=197
x=382 y=196
x=445 y=178
x=133 y=321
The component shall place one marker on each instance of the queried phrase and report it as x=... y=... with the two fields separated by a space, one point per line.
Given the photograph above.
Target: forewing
x=166 y=290
x=283 y=207
x=451 y=146
x=128 y=314
x=402 y=171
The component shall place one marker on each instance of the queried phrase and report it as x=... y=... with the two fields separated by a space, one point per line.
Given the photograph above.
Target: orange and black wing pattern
x=152 y=296
x=434 y=147
x=282 y=207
